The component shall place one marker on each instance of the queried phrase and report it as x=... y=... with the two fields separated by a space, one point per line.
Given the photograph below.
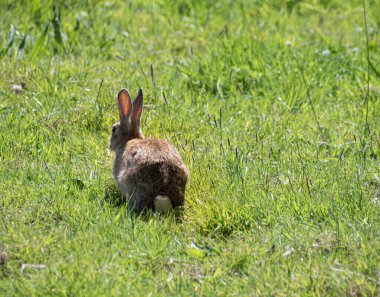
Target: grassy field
x=273 y=106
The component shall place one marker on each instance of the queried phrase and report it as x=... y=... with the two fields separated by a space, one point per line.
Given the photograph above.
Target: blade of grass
x=10 y=42
x=21 y=46
x=39 y=44
x=308 y=95
x=367 y=130
x=57 y=26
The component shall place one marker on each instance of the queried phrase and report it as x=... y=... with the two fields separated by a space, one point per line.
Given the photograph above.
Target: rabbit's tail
x=162 y=203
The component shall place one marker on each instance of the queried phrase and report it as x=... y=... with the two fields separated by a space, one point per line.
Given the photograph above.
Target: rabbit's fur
x=150 y=172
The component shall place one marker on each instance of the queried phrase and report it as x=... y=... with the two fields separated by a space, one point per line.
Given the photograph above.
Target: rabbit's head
x=129 y=125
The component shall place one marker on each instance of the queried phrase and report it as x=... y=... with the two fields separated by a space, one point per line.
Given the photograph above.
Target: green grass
x=276 y=206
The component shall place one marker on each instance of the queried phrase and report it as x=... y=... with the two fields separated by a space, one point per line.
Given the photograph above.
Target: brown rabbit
x=150 y=172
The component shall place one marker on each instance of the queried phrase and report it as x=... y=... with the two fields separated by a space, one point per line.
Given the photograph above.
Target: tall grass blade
x=39 y=44
x=366 y=98
x=57 y=26
x=21 y=46
x=309 y=96
x=10 y=42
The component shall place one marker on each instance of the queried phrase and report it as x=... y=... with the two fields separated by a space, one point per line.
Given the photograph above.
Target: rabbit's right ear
x=136 y=113
x=137 y=106
x=125 y=104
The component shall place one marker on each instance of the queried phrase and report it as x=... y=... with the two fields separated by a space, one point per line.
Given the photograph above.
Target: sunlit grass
x=276 y=205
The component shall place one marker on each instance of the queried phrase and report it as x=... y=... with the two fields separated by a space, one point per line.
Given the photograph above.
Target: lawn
x=274 y=107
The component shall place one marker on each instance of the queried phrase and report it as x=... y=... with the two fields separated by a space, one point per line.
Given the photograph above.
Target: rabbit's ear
x=125 y=105
x=137 y=108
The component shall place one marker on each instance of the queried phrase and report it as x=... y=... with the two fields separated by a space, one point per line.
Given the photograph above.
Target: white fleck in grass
x=326 y=52
x=355 y=50
x=288 y=252
x=17 y=89
x=32 y=266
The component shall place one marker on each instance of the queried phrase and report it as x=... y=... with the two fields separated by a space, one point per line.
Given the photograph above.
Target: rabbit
x=149 y=172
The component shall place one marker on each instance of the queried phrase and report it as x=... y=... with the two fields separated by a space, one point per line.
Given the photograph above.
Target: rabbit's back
x=152 y=167
x=151 y=150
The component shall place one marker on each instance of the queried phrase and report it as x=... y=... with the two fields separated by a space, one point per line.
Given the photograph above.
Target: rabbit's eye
x=113 y=130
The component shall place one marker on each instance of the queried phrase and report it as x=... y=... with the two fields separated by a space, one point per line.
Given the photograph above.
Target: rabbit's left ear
x=137 y=107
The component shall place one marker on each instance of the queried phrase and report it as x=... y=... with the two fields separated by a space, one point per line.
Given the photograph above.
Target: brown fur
x=146 y=168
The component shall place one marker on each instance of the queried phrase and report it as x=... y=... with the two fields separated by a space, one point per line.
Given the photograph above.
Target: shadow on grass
x=114 y=198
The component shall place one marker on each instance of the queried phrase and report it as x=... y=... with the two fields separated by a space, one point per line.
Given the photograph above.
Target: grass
x=266 y=102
